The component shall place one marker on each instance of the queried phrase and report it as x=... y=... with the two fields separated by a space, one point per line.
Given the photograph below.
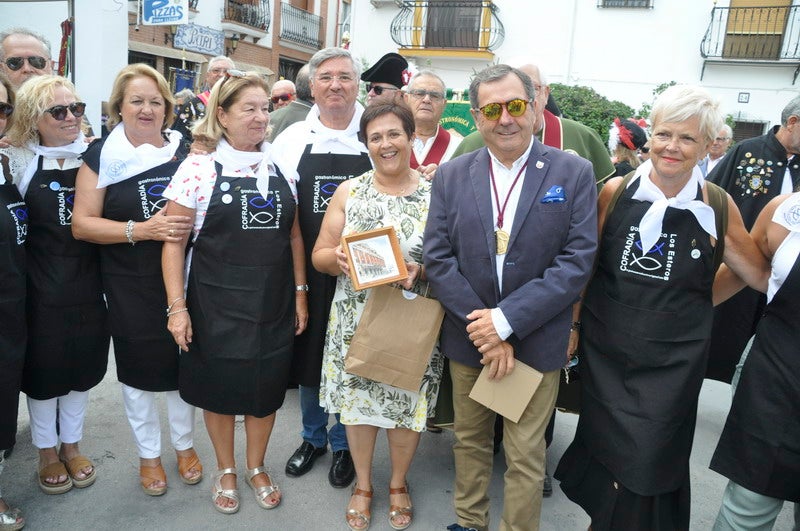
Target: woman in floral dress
x=390 y=195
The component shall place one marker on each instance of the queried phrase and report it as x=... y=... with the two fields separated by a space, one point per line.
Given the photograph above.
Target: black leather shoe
x=303 y=459
x=342 y=471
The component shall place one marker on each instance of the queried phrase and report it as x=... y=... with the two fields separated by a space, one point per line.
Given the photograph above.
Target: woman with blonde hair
x=625 y=138
x=237 y=302
x=119 y=205
x=67 y=346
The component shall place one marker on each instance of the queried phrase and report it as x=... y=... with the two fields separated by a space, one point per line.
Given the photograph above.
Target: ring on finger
x=172 y=232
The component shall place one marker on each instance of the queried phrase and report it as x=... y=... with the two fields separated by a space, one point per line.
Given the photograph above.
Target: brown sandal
x=75 y=466
x=354 y=517
x=185 y=464
x=54 y=470
x=149 y=474
x=396 y=511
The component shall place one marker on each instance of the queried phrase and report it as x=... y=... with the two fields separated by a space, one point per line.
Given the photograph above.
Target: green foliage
x=644 y=112
x=586 y=106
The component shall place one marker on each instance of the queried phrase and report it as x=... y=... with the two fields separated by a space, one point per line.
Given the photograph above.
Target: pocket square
x=554 y=195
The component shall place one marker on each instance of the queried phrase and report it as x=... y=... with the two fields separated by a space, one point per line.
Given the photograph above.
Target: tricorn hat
x=388 y=69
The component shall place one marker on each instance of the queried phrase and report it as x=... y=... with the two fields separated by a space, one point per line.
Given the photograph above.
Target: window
x=745 y=130
x=453 y=24
x=625 y=3
x=755 y=29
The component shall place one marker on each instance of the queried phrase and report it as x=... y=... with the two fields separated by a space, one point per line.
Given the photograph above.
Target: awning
x=263 y=70
x=163 y=51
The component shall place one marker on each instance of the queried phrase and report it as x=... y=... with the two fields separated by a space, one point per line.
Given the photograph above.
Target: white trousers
x=142 y=412
x=70 y=410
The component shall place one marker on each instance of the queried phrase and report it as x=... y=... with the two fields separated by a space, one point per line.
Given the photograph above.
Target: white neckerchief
x=120 y=160
x=788 y=213
x=650 y=225
x=70 y=151
x=234 y=161
x=327 y=140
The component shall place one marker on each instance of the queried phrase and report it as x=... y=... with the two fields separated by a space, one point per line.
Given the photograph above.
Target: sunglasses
x=6 y=109
x=36 y=61
x=282 y=97
x=59 y=112
x=515 y=107
x=644 y=149
x=377 y=89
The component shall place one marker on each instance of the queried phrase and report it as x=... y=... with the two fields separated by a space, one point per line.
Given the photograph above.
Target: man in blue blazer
x=509 y=245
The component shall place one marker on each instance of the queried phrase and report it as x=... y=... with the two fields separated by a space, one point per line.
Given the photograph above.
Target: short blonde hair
x=125 y=76
x=683 y=102
x=225 y=93
x=34 y=97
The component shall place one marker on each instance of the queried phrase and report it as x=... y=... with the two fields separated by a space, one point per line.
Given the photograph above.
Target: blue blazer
x=549 y=259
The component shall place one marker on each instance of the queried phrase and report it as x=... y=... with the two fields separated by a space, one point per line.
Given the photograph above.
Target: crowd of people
x=206 y=242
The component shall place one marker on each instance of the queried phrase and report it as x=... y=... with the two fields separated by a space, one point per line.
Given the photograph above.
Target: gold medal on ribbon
x=501 y=240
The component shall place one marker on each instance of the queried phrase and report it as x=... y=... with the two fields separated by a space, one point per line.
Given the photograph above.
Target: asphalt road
x=116 y=502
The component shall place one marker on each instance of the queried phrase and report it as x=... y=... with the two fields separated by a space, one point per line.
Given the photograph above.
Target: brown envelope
x=510 y=395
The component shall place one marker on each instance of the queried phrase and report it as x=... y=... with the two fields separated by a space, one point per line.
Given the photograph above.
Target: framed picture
x=374 y=258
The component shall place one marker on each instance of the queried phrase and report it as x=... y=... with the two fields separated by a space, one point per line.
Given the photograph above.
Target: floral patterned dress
x=360 y=400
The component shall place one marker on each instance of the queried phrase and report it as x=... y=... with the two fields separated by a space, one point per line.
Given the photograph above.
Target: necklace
x=382 y=188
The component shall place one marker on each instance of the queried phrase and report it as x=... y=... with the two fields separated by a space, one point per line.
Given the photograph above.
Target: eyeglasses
x=326 y=79
x=6 y=109
x=515 y=107
x=419 y=94
x=282 y=97
x=722 y=139
x=59 y=112
x=36 y=61
x=377 y=89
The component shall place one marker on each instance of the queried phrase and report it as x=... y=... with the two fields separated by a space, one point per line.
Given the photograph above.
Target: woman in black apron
x=119 y=205
x=67 y=347
x=13 y=231
x=759 y=450
x=245 y=295
x=646 y=319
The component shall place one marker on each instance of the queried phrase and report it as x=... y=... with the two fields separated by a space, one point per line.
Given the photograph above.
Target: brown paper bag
x=394 y=339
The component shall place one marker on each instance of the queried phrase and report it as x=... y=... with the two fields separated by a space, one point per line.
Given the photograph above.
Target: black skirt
x=612 y=506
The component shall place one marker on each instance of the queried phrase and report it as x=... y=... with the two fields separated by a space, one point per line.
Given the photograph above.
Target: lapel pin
x=539 y=164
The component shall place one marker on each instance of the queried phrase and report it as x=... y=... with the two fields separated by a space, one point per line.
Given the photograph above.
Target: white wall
x=621 y=53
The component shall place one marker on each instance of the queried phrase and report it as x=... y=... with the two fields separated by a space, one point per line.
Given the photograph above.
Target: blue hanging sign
x=165 y=12
x=200 y=39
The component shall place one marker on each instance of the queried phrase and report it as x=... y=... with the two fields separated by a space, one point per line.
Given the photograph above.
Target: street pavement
x=116 y=502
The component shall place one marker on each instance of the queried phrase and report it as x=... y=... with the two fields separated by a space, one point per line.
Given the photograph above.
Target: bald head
x=542 y=92
x=283 y=93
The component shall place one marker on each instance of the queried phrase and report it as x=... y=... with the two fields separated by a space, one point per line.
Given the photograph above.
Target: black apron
x=240 y=297
x=760 y=445
x=320 y=175
x=67 y=324
x=146 y=353
x=13 y=232
x=646 y=326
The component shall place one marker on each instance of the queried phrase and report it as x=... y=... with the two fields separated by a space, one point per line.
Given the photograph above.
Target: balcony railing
x=448 y=24
x=300 y=26
x=753 y=34
x=193 y=4
x=253 y=13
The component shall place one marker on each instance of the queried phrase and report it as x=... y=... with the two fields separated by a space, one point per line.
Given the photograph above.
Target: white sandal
x=263 y=493
x=219 y=492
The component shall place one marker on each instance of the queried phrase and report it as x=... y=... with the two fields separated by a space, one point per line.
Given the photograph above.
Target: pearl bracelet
x=129 y=232
x=179 y=310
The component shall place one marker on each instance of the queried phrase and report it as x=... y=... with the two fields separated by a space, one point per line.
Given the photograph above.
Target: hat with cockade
x=389 y=69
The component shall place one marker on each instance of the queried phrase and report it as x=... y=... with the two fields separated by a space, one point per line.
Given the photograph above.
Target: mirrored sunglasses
x=377 y=89
x=15 y=63
x=282 y=97
x=59 y=112
x=6 y=109
x=515 y=107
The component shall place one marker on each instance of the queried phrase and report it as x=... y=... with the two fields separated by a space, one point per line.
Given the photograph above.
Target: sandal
x=396 y=511
x=150 y=474
x=75 y=466
x=54 y=470
x=219 y=492
x=353 y=516
x=11 y=519
x=263 y=493
x=185 y=464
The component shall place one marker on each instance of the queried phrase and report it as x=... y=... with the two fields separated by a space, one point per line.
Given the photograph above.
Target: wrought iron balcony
x=253 y=13
x=448 y=24
x=193 y=4
x=300 y=26
x=753 y=34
